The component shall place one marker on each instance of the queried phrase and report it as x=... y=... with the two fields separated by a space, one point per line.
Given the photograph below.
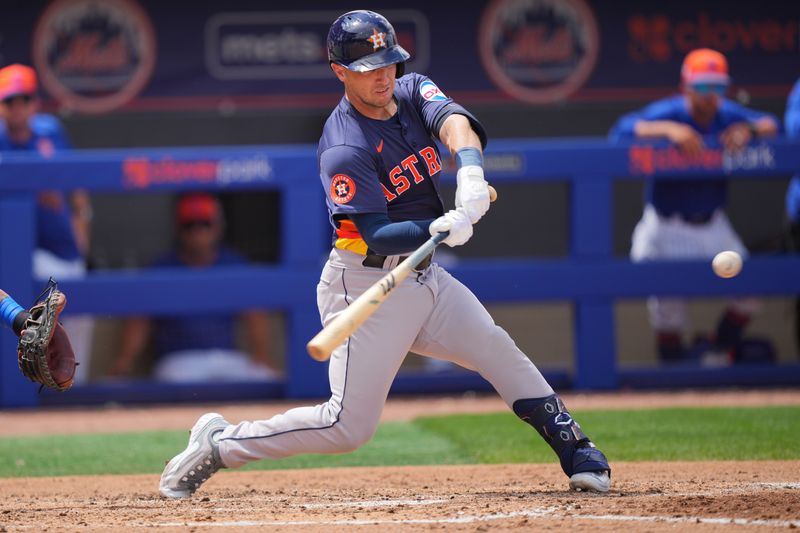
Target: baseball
x=727 y=264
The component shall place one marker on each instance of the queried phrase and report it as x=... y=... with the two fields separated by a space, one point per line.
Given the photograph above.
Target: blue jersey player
x=62 y=229
x=62 y=220
x=380 y=170
x=792 y=125
x=685 y=218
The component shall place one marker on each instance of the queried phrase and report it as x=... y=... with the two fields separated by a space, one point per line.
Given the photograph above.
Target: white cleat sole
x=182 y=463
x=590 y=481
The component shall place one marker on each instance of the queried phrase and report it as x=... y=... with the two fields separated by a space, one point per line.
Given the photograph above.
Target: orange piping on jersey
x=347 y=230
x=354 y=245
x=349 y=238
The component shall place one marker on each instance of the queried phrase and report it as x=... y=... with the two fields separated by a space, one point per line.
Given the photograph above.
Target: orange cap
x=197 y=206
x=705 y=66
x=17 y=79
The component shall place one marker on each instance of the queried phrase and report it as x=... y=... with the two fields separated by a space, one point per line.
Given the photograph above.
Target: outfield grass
x=680 y=434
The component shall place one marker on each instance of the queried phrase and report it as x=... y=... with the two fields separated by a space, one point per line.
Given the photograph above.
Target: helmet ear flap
x=401 y=69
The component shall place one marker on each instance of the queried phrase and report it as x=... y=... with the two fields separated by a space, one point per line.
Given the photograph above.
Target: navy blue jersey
x=698 y=196
x=386 y=166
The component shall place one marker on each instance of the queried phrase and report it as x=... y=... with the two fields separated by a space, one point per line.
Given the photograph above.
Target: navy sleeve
x=350 y=178
x=391 y=238
x=455 y=109
x=434 y=107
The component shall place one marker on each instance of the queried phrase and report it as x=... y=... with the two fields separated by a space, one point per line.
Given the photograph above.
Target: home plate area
x=702 y=496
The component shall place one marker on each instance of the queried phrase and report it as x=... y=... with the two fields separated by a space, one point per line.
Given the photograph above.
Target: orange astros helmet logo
x=378 y=39
x=343 y=188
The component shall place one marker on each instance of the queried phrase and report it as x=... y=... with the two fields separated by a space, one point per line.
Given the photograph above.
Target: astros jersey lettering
x=385 y=166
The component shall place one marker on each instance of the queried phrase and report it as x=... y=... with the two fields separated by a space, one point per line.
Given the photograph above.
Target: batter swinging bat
x=341 y=327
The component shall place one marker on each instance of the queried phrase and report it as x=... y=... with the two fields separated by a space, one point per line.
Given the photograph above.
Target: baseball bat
x=341 y=327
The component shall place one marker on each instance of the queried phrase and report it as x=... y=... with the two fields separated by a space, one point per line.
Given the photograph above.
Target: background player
x=792 y=125
x=684 y=219
x=200 y=347
x=62 y=221
x=380 y=170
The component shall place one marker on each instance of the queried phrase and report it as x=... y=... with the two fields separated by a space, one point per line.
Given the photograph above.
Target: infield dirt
x=646 y=496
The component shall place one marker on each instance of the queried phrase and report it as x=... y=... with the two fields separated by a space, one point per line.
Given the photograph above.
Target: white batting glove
x=457 y=223
x=472 y=192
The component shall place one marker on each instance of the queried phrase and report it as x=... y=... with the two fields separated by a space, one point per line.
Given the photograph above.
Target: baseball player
x=44 y=351
x=63 y=221
x=684 y=219
x=380 y=169
x=792 y=125
x=199 y=347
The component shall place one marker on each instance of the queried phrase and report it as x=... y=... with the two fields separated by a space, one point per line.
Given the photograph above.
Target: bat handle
x=439 y=237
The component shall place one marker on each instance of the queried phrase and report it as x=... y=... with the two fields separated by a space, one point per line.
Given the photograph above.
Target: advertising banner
x=96 y=57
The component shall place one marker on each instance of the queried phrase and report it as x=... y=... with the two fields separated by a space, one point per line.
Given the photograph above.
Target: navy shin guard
x=554 y=423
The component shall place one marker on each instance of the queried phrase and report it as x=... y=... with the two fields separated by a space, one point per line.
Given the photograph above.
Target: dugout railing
x=590 y=277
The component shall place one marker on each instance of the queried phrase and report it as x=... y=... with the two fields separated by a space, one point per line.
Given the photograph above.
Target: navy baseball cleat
x=198 y=462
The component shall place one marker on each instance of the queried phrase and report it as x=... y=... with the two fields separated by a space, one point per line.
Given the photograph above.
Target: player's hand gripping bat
x=341 y=327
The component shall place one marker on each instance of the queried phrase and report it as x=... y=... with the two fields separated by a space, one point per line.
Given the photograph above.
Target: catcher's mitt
x=44 y=352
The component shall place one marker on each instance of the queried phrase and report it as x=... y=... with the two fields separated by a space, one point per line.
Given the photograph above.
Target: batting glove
x=472 y=192
x=457 y=223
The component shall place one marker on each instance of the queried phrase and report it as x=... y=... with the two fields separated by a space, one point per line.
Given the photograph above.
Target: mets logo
x=94 y=56
x=538 y=51
x=431 y=92
x=343 y=188
x=378 y=39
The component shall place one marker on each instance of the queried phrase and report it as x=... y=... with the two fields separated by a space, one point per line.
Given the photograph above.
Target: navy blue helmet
x=364 y=40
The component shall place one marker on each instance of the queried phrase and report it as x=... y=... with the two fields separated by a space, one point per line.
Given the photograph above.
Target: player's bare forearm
x=765 y=127
x=654 y=129
x=3 y=295
x=134 y=335
x=457 y=133
x=684 y=136
x=81 y=219
x=257 y=328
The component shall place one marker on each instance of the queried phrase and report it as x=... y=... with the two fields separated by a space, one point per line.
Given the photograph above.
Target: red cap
x=17 y=79
x=197 y=206
x=705 y=66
